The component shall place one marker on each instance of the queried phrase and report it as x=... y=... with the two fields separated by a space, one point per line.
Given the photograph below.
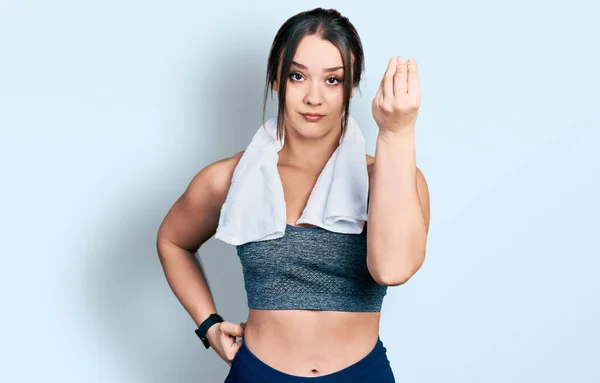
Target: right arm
x=190 y=222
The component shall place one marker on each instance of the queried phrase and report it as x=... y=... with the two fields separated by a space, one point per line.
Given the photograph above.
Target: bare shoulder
x=219 y=174
x=194 y=217
x=370 y=162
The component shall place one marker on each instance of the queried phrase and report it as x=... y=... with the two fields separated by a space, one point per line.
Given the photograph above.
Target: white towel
x=255 y=208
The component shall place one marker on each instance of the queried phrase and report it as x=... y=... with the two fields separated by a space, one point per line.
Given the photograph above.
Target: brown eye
x=336 y=79
x=295 y=74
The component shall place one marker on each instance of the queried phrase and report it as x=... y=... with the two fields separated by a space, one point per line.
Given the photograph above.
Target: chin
x=310 y=129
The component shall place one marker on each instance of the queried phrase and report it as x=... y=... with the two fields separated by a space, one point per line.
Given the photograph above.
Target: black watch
x=203 y=328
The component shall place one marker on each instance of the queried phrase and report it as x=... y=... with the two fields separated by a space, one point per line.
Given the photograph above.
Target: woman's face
x=315 y=86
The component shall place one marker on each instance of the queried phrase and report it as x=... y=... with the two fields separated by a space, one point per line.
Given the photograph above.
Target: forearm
x=187 y=280
x=397 y=232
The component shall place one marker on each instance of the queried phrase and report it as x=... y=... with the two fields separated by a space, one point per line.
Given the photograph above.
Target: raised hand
x=396 y=104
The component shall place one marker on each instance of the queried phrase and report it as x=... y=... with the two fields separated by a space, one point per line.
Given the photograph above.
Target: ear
x=352 y=93
x=275 y=86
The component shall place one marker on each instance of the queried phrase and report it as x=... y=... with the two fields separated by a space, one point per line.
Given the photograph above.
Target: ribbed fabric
x=310 y=268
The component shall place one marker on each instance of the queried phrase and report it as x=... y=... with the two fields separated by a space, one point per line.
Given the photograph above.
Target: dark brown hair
x=329 y=25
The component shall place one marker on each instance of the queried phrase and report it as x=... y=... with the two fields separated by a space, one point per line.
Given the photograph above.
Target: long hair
x=329 y=25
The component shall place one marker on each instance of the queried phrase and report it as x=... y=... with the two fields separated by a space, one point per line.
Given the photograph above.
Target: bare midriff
x=310 y=343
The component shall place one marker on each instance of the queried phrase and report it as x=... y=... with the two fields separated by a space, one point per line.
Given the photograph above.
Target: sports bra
x=310 y=268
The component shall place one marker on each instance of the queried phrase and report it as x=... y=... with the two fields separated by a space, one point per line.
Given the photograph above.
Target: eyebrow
x=325 y=70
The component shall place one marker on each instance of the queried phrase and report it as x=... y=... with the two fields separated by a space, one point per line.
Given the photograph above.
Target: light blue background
x=109 y=108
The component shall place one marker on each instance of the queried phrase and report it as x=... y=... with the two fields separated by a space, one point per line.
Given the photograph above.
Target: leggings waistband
x=375 y=362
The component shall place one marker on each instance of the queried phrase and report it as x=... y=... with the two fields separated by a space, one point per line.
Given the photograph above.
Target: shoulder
x=194 y=217
x=370 y=162
x=209 y=187
x=217 y=177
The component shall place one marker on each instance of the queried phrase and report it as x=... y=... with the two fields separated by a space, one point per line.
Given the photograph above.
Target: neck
x=308 y=153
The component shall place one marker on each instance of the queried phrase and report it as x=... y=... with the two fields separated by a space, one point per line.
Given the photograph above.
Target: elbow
x=392 y=279
x=395 y=267
x=398 y=275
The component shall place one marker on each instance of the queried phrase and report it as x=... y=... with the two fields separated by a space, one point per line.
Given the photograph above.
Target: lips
x=312 y=117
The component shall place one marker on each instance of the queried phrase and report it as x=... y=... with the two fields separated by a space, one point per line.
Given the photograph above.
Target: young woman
x=315 y=63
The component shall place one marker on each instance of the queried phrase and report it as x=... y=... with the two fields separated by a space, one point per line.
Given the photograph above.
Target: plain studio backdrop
x=109 y=108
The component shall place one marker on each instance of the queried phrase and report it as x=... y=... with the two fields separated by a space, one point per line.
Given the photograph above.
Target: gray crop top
x=310 y=268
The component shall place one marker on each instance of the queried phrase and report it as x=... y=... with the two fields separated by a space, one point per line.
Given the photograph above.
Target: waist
x=297 y=341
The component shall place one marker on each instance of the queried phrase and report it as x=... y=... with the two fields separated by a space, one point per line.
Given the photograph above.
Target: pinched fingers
x=232 y=329
x=400 y=87
x=386 y=88
x=396 y=104
x=406 y=92
x=413 y=87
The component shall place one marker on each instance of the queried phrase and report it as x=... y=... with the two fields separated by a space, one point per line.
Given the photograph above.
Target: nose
x=313 y=95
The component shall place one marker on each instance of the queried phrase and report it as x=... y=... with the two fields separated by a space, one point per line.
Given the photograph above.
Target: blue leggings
x=247 y=368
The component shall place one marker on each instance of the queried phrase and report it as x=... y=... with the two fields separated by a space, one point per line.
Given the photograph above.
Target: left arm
x=399 y=198
x=398 y=212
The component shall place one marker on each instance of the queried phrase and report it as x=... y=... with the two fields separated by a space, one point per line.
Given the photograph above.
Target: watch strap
x=205 y=325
